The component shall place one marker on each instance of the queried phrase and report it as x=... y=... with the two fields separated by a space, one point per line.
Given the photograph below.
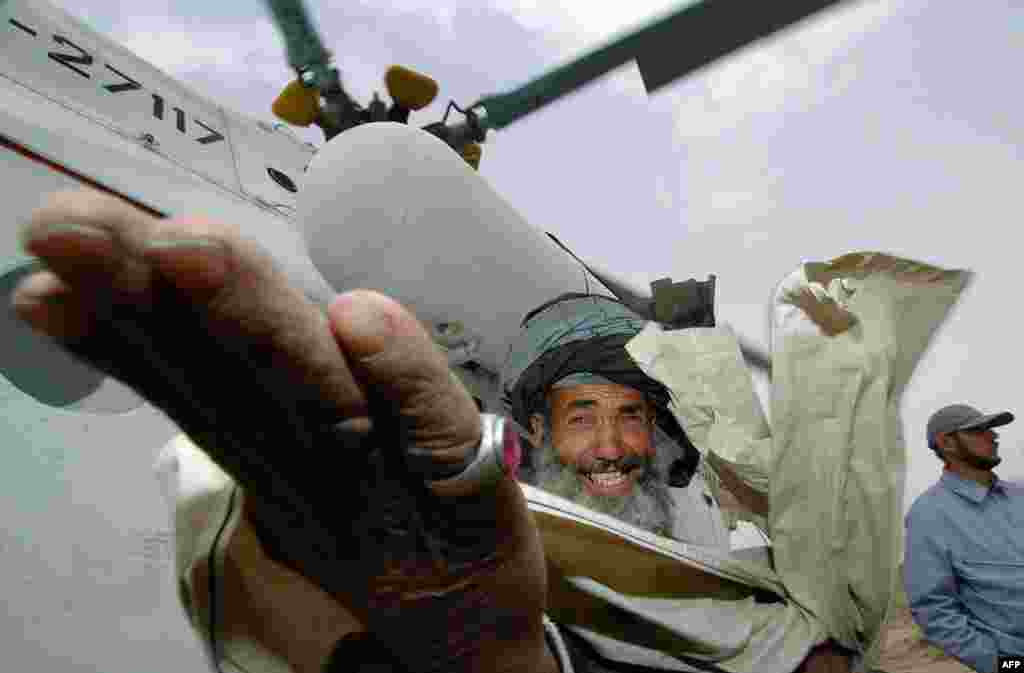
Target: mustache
x=624 y=464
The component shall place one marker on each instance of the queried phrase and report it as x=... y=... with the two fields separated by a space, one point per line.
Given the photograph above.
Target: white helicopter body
x=85 y=540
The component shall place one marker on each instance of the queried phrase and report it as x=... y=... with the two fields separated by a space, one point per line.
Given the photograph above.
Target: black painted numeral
x=23 y=27
x=66 y=60
x=83 y=58
x=158 y=106
x=212 y=138
x=128 y=85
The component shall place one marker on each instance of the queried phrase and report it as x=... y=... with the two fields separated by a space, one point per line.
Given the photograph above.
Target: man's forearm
x=957 y=637
x=934 y=599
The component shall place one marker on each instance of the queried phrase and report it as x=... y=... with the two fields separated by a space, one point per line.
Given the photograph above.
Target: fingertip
x=35 y=312
x=70 y=245
x=48 y=305
x=364 y=321
x=36 y=287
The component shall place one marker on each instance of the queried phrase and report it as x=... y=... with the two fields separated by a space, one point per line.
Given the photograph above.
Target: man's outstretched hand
x=308 y=410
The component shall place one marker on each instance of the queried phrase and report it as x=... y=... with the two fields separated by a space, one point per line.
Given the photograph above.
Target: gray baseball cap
x=957 y=417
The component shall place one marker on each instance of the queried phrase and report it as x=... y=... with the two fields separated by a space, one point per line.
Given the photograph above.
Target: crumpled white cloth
x=838 y=463
x=714 y=398
x=833 y=461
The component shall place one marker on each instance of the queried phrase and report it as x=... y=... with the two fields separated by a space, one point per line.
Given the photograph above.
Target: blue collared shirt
x=964 y=568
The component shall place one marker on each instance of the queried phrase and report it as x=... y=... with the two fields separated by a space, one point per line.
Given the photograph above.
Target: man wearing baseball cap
x=964 y=561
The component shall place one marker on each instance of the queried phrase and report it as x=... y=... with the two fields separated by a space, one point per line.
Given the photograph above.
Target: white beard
x=649 y=506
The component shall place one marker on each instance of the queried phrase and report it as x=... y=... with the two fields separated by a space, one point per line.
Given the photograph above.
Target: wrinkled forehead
x=605 y=397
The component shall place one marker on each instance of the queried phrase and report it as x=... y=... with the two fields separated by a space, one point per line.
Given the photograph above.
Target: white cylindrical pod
x=389 y=207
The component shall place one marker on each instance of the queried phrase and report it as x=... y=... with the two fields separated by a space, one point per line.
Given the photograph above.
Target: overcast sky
x=891 y=125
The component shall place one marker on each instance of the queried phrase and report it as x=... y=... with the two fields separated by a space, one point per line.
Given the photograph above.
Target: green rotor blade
x=688 y=41
x=302 y=41
x=665 y=49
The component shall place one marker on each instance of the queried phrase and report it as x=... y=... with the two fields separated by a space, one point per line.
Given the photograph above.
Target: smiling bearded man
x=605 y=458
x=602 y=433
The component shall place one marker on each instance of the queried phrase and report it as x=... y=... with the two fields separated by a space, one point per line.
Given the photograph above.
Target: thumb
x=395 y=361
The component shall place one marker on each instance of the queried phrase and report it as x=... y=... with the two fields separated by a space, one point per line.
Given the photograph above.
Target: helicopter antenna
x=646 y=307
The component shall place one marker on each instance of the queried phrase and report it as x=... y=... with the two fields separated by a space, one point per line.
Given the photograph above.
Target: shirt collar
x=968 y=488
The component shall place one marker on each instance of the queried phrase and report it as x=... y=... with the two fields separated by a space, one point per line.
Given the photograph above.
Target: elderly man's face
x=599 y=451
x=604 y=432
